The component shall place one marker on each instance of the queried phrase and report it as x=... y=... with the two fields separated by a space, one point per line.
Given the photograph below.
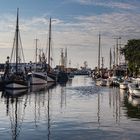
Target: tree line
x=131 y=52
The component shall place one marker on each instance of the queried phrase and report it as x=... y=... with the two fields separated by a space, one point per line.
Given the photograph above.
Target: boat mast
x=102 y=63
x=17 y=43
x=65 y=57
x=36 y=41
x=110 y=63
x=49 y=45
x=114 y=56
x=117 y=50
x=62 y=59
x=99 y=51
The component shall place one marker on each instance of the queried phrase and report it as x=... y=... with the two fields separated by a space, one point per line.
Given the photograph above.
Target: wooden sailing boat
x=38 y=76
x=15 y=75
x=97 y=69
x=51 y=75
x=99 y=73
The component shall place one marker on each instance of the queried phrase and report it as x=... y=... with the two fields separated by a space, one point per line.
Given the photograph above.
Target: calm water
x=76 y=111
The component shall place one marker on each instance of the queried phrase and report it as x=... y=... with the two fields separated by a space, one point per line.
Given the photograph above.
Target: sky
x=76 y=25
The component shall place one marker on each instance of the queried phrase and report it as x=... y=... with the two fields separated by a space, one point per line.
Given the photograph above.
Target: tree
x=131 y=52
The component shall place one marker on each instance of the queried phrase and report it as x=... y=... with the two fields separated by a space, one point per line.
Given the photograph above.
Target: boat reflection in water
x=133 y=106
x=37 y=88
x=134 y=101
x=17 y=101
x=77 y=110
x=15 y=109
x=14 y=92
x=43 y=87
x=41 y=105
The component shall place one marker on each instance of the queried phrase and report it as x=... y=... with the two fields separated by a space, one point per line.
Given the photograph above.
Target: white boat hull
x=38 y=78
x=133 y=90
x=123 y=86
x=101 y=82
x=98 y=82
x=136 y=92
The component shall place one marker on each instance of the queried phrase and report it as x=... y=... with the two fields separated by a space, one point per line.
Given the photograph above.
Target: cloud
x=108 y=3
x=78 y=34
x=83 y=32
x=87 y=27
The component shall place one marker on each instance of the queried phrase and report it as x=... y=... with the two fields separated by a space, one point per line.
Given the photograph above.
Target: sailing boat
x=15 y=76
x=99 y=75
x=96 y=73
x=38 y=76
x=51 y=75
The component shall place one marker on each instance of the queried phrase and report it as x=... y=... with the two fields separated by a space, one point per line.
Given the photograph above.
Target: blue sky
x=76 y=25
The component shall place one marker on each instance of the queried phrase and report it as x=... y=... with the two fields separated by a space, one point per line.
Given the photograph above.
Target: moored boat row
x=18 y=75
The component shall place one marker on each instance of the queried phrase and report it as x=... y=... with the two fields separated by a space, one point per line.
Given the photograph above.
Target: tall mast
x=49 y=44
x=99 y=51
x=65 y=57
x=110 y=63
x=17 y=43
x=102 y=62
x=114 y=56
x=36 y=41
x=62 y=58
x=117 y=51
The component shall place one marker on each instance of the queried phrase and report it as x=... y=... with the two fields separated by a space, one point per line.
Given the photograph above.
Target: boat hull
x=38 y=78
x=101 y=82
x=16 y=84
x=136 y=92
x=51 y=77
x=133 y=90
x=123 y=86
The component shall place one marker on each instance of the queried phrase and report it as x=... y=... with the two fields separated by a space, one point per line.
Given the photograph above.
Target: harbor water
x=79 y=110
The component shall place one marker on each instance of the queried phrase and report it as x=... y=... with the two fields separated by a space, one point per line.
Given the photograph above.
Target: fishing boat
x=15 y=76
x=39 y=75
x=61 y=69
